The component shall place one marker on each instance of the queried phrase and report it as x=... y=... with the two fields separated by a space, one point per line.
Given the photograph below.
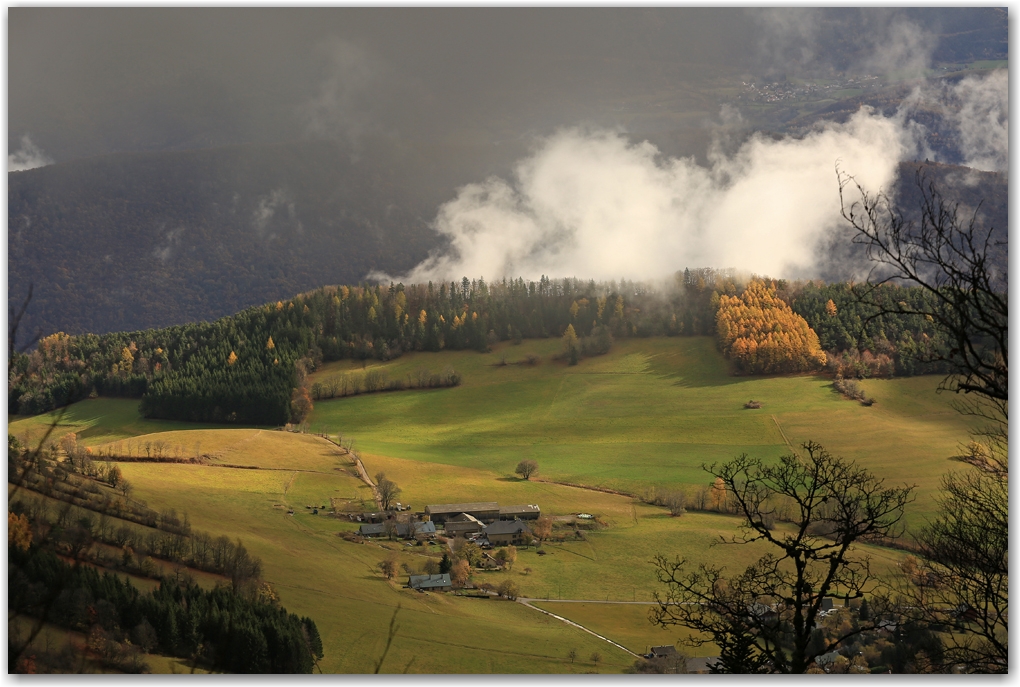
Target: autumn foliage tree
x=761 y=334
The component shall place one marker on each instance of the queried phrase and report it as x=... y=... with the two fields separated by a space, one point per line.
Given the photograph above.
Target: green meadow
x=95 y=421
x=647 y=414
x=650 y=412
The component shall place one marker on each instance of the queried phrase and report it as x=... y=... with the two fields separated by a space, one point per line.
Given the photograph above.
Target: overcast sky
x=91 y=81
x=87 y=81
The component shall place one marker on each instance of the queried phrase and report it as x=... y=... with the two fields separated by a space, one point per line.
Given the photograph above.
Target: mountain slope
x=134 y=241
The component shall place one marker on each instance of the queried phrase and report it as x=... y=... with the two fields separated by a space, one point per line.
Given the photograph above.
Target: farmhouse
x=439 y=583
x=502 y=533
x=401 y=529
x=485 y=512
x=528 y=512
x=662 y=652
x=462 y=524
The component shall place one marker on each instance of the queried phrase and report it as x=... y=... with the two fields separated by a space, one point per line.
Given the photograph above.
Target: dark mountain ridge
x=139 y=240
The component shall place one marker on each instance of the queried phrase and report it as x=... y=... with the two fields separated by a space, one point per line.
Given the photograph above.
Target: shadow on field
x=694 y=362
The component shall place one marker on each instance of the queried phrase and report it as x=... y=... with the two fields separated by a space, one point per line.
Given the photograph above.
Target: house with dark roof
x=702 y=664
x=401 y=529
x=486 y=511
x=662 y=652
x=460 y=525
x=437 y=583
x=505 y=532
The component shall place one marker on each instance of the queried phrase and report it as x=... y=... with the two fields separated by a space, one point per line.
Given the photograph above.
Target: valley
x=646 y=414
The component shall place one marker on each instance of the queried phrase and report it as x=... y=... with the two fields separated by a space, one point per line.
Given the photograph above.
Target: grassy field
x=625 y=624
x=96 y=421
x=650 y=412
x=338 y=583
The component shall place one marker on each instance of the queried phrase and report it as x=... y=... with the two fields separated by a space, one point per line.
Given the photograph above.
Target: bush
x=508 y=589
x=852 y=390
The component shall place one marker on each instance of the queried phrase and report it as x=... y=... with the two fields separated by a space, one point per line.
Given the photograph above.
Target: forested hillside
x=251 y=367
x=133 y=241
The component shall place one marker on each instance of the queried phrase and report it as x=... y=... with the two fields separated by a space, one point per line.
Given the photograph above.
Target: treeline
x=251 y=367
x=353 y=383
x=91 y=513
x=219 y=629
x=863 y=343
x=761 y=334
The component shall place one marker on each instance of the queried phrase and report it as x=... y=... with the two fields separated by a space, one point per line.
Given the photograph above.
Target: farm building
x=701 y=664
x=503 y=532
x=439 y=583
x=402 y=530
x=486 y=511
x=526 y=512
x=462 y=524
x=662 y=652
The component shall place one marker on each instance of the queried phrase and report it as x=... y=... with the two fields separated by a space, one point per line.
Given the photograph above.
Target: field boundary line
x=782 y=433
x=604 y=490
x=362 y=472
x=572 y=623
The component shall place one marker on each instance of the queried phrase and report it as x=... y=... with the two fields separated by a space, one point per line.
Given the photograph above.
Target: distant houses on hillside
x=486 y=512
x=486 y=521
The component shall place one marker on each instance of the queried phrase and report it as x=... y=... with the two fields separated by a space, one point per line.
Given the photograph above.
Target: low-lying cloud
x=594 y=204
x=982 y=118
x=29 y=156
x=975 y=115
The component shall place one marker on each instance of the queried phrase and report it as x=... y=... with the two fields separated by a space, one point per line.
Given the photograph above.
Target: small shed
x=439 y=583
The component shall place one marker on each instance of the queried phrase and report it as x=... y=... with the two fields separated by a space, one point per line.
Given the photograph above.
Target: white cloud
x=983 y=120
x=593 y=204
x=29 y=156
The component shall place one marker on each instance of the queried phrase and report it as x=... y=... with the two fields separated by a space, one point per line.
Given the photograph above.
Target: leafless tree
x=763 y=618
x=950 y=259
x=675 y=501
x=965 y=572
x=526 y=468
x=387 y=489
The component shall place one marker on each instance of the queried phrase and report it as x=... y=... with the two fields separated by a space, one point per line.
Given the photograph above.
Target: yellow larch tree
x=761 y=334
